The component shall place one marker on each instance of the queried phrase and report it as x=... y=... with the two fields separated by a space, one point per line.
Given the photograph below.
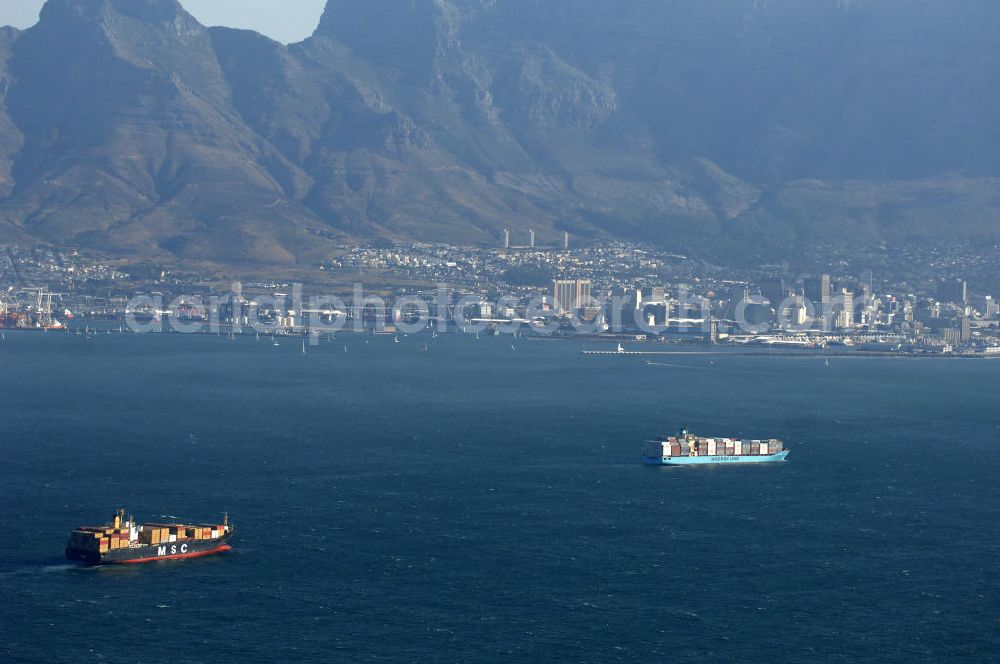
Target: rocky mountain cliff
x=127 y=126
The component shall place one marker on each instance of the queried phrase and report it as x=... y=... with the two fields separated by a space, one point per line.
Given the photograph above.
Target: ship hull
x=153 y=553
x=712 y=460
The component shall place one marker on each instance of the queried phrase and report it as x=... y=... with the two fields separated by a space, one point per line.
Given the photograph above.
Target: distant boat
x=275 y=342
x=345 y=349
x=130 y=542
x=397 y=340
x=424 y=348
x=687 y=449
x=620 y=349
x=303 y=346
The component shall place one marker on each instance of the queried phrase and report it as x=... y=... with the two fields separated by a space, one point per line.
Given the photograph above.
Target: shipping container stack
x=160 y=533
x=696 y=446
x=100 y=539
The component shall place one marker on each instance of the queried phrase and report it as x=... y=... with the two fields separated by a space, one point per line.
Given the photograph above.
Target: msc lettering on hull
x=162 y=551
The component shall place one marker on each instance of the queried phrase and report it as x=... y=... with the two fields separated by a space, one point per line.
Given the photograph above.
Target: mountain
x=11 y=139
x=712 y=124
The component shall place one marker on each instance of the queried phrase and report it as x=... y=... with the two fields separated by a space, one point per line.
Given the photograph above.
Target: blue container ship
x=686 y=449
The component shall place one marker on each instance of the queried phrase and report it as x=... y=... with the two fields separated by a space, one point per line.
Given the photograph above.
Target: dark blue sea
x=483 y=503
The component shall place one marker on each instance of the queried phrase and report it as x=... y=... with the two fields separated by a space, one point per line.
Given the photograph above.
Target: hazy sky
x=284 y=20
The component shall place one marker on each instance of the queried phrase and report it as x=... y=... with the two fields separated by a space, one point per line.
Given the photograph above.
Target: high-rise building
x=570 y=294
x=654 y=294
x=817 y=291
x=584 y=292
x=793 y=312
x=985 y=305
x=563 y=294
x=864 y=304
x=506 y=239
x=625 y=308
x=531 y=238
x=843 y=310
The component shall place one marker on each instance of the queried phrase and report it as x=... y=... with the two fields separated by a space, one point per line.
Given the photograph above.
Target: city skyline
x=598 y=292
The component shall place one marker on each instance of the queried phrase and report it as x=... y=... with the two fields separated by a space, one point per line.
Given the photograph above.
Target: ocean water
x=481 y=503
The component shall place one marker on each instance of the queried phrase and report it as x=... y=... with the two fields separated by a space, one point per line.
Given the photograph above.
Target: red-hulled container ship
x=124 y=541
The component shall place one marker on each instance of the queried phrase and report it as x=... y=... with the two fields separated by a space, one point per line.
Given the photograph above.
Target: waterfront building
x=570 y=294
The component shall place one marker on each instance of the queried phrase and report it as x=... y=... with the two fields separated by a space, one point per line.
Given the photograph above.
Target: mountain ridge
x=699 y=124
